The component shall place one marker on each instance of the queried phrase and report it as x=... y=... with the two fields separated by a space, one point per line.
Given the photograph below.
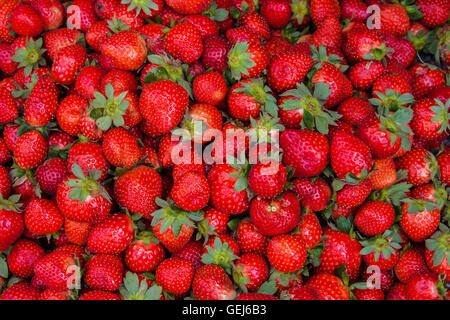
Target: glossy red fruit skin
x=417 y=165
x=88 y=156
x=51 y=12
x=215 y=51
x=120 y=148
x=112 y=236
x=276 y=12
x=313 y=194
x=419 y=226
x=22 y=257
x=255 y=268
x=275 y=217
x=209 y=88
x=328 y=286
x=435 y=12
x=131 y=45
x=286 y=253
x=99 y=295
x=25 y=21
x=374 y=217
x=104 y=272
x=43 y=217
x=189 y=7
x=363 y=74
x=422 y=124
x=193 y=186
x=143 y=257
x=307 y=152
x=423 y=287
x=55 y=270
x=30 y=150
x=20 y=291
x=267 y=180
x=250 y=240
x=368 y=294
x=192 y=251
x=8 y=105
x=309 y=229
x=411 y=263
x=287 y=69
x=51 y=173
x=184 y=42
x=67 y=63
x=212 y=283
x=353 y=195
x=175 y=275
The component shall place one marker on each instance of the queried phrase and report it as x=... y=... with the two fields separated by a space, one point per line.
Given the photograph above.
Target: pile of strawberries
x=119 y=179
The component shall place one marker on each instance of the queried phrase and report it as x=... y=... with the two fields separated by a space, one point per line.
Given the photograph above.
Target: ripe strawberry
x=368 y=294
x=104 y=272
x=250 y=240
x=398 y=292
x=175 y=275
x=67 y=63
x=309 y=229
x=5 y=183
x=48 y=294
x=50 y=174
x=306 y=151
x=55 y=270
x=88 y=156
x=30 y=150
x=328 y=287
x=436 y=252
x=69 y=113
x=255 y=296
x=184 y=42
x=426 y=287
x=435 y=12
x=242 y=34
x=384 y=174
x=42 y=103
x=381 y=251
x=420 y=165
x=276 y=12
x=55 y=40
x=191 y=191
x=215 y=53
x=99 y=295
x=212 y=283
x=267 y=180
x=85 y=14
x=350 y=155
x=81 y=198
x=119 y=47
x=204 y=24
x=88 y=81
x=329 y=34
x=137 y=189
x=22 y=257
x=8 y=106
x=51 y=12
x=444 y=167
x=145 y=254
x=43 y=217
x=192 y=251
x=120 y=148
x=5 y=154
x=404 y=51
x=320 y=10
x=5 y=11
x=21 y=290
x=425 y=80
x=420 y=219
x=25 y=21
x=411 y=263
x=275 y=217
x=189 y=7
x=250 y=271
x=430 y=118
x=120 y=80
x=163 y=104
x=298 y=66
x=77 y=232
x=256 y=23
x=354 y=10
x=247 y=60
x=286 y=253
x=363 y=74
x=208 y=117
x=313 y=194
x=394 y=19
x=340 y=249
x=209 y=88
x=299 y=293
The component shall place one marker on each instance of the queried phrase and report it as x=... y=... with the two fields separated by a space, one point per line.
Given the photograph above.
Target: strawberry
x=50 y=174
x=243 y=103
x=298 y=65
x=56 y=270
x=250 y=271
x=436 y=252
x=426 y=79
x=192 y=251
x=8 y=106
x=25 y=21
x=51 y=12
x=5 y=154
x=212 y=283
x=145 y=254
x=209 y=88
x=247 y=60
x=419 y=164
x=381 y=251
x=86 y=14
x=22 y=257
x=163 y=104
x=340 y=249
x=411 y=263
x=363 y=74
x=55 y=40
x=420 y=219
x=250 y=239
x=205 y=25
x=394 y=19
x=320 y=10
x=88 y=156
x=328 y=287
x=208 y=117
x=191 y=191
x=353 y=195
x=137 y=190
x=99 y=295
x=309 y=229
x=81 y=198
x=305 y=150
x=42 y=103
x=175 y=275
x=256 y=23
x=426 y=287
x=129 y=44
x=5 y=10
x=313 y=194
x=398 y=292
x=77 y=232
x=88 y=81
x=104 y=237
x=69 y=113
x=299 y=293
x=242 y=34
x=404 y=51
x=267 y=180
x=104 y=272
x=189 y=7
x=121 y=148
x=255 y=296
x=354 y=10
x=368 y=294
x=184 y=42
x=215 y=51
x=286 y=253
x=350 y=156
x=430 y=118
x=48 y=294
x=276 y=12
x=67 y=63
x=21 y=290
x=384 y=174
x=435 y=12
x=329 y=34
x=30 y=150
x=43 y=217
x=275 y=217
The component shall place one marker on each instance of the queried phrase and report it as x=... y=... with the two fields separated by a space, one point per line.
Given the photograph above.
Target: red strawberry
x=22 y=257
x=191 y=191
x=394 y=19
x=99 y=295
x=85 y=14
x=192 y=251
x=88 y=156
x=250 y=271
x=77 y=232
x=55 y=40
x=420 y=219
x=184 y=42
x=353 y=195
x=255 y=23
x=411 y=264
x=275 y=217
x=120 y=148
x=247 y=60
x=368 y=294
x=430 y=118
x=299 y=293
x=436 y=252
x=48 y=294
x=267 y=180
x=250 y=239
x=56 y=270
x=313 y=194
x=329 y=34
x=5 y=10
x=212 y=283
x=30 y=150
x=8 y=106
x=381 y=251
x=215 y=51
x=309 y=229
x=420 y=165
x=208 y=117
x=144 y=254
x=328 y=287
x=276 y=12
x=209 y=88
x=112 y=236
x=286 y=253
x=426 y=79
x=43 y=217
x=365 y=73
x=25 y=21
x=404 y=51
x=104 y=272
x=435 y=12
x=120 y=46
x=320 y=10
x=354 y=10
x=426 y=287
x=51 y=12
x=42 y=103
x=175 y=275
x=21 y=290
x=398 y=292
x=67 y=63
x=50 y=174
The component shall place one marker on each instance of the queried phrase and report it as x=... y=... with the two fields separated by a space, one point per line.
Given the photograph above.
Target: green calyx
x=261 y=93
x=147 y=237
x=239 y=278
x=386 y=244
x=205 y=230
x=239 y=60
x=419 y=40
x=379 y=53
x=442 y=114
x=314 y=115
x=132 y=289
x=391 y=101
x=11 y=203
x=116 y=25
x=412 y=10
x=31 y=57
x=351 y=178
x=439 y=244
x=220 y=255
x=393 y=194
x=172 y=216
x=300 y=9
x=144 y=5
x=85 y=186
x=264 y=128
x=291 y=33
x=419 y=205
x=396 y=125
x=109 y=109
x=215 y=13
x=320 y=55
x=25 y=92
